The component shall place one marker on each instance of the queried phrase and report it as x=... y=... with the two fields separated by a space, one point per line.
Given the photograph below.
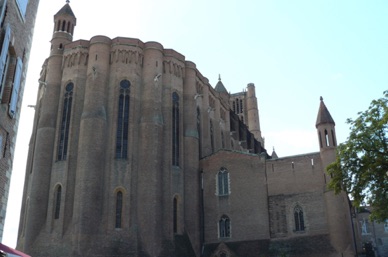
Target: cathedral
x=134 y=154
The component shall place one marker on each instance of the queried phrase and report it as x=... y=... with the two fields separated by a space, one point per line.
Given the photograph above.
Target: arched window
x=59 y=25
x=299 y=219
x=175 y=129
x=63 y=25
x=241 y=106
x=199 y=132
x=119 y=209
x=333 y=137
x=222 y=140
x=223 y=182
x=224 y=227
x=211 y=136
x=327 y=140
x=123 y=121
x=57 y=205
x=65 y=122
x=68 y=27
x=175 y=215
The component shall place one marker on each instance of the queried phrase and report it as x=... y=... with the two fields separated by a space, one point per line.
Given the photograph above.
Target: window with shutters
x=4 y=57
x=22 y=5
x=16 y=87
x=3 y=7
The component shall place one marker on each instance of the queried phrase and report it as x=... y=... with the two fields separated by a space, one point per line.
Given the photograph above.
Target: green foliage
x=361 y=166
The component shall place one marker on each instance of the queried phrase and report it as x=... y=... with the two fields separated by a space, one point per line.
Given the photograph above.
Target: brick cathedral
x=134 y=153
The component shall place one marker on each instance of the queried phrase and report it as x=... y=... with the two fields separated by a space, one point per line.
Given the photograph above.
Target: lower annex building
x=134 y=153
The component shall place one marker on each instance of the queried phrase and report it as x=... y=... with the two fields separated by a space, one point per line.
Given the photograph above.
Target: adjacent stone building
x=17 y=19
x=134 y=153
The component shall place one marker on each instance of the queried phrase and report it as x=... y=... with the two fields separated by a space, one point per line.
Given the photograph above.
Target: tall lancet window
x=299 y=218
x=123 y=121
x=119 y=209
x=175 y=129
x=57 y=204
x=65 y=122
x=211 y=136
x=199 y=132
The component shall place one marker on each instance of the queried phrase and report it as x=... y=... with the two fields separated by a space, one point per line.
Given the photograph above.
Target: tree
x=361 y=166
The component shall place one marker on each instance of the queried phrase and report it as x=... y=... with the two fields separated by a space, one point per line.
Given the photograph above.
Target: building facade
x=134 y=153
x=17 y=19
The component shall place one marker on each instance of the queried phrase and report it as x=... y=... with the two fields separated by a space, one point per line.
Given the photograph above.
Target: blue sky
x=294 y=52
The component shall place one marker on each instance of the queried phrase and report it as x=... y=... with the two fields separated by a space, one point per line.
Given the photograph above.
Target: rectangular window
x=3 y=6
x=16 y=87
x=22 y=5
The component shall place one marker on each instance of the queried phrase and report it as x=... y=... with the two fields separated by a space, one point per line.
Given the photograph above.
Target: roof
x=220 y=88
x=66 y=10
x=12 y=252
x=324 y=116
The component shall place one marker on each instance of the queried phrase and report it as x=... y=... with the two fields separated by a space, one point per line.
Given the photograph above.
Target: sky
x=293 y=51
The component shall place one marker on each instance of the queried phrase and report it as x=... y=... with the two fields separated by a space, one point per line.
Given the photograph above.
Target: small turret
x=338 y=215
x=220 y=88
x=326 y=127
x=64 y=23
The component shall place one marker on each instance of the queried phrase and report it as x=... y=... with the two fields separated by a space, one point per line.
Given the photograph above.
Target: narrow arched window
x=175 y=215
x=175 y=129
x=57 y=205
x=59 y=25
x=63 y=25
x=241 y=106
x=299 y=218
x=222 y=140
x=333 y=137
x=211 y=136
x=223 y=182
x=68 y=27
x=199 y=132
x=119 y=209
x=123 y=121
x=65 y=122
x=224 y=227
x=327 y=140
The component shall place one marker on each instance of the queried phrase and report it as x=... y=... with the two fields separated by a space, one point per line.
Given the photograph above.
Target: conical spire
x=220 y=87
x=274 y=154
x=65 y=10
x=324 y=116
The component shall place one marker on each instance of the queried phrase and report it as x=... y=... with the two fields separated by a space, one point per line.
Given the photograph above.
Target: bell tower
x=337 y=206
x=36 y=199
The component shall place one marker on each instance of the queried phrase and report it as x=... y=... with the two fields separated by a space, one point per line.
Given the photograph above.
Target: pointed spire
x=274 y=155
x=66 y=10
x=324 y=116
x=220 y=88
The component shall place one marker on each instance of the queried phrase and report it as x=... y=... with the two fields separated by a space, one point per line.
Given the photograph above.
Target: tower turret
x=253 y=113
x=337 y=206
x=44 y=149
x=64 y=23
